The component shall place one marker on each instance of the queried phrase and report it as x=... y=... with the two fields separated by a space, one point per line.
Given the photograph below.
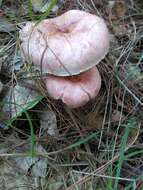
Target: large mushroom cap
x=66 y=45
x=77 y=90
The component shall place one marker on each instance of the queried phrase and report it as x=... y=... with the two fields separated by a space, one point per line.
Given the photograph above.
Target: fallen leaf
x=48 y=122
x=18 y=99
x=17 y=62
x=11 y=179
x=37 y=166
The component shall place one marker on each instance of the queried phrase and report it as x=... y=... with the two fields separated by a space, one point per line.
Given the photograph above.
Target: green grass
x=114 y=169
x=128 y=129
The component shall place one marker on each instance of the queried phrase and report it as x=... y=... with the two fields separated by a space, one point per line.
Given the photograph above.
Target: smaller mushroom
x=77 y=90
x=68 y=48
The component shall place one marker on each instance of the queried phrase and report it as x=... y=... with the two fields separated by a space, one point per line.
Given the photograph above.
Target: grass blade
x=122 y=157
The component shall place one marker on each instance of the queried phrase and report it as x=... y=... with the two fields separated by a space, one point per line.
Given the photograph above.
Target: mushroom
x=77 y=90
x=68 y=48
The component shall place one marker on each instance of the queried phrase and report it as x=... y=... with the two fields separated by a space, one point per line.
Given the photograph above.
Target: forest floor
x=44 y=145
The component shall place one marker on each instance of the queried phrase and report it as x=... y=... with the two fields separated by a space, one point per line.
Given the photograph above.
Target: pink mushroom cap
x=77 y=90
x=66 y=45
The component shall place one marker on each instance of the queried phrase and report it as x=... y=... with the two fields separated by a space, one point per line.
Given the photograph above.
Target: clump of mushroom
x=68 y=48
